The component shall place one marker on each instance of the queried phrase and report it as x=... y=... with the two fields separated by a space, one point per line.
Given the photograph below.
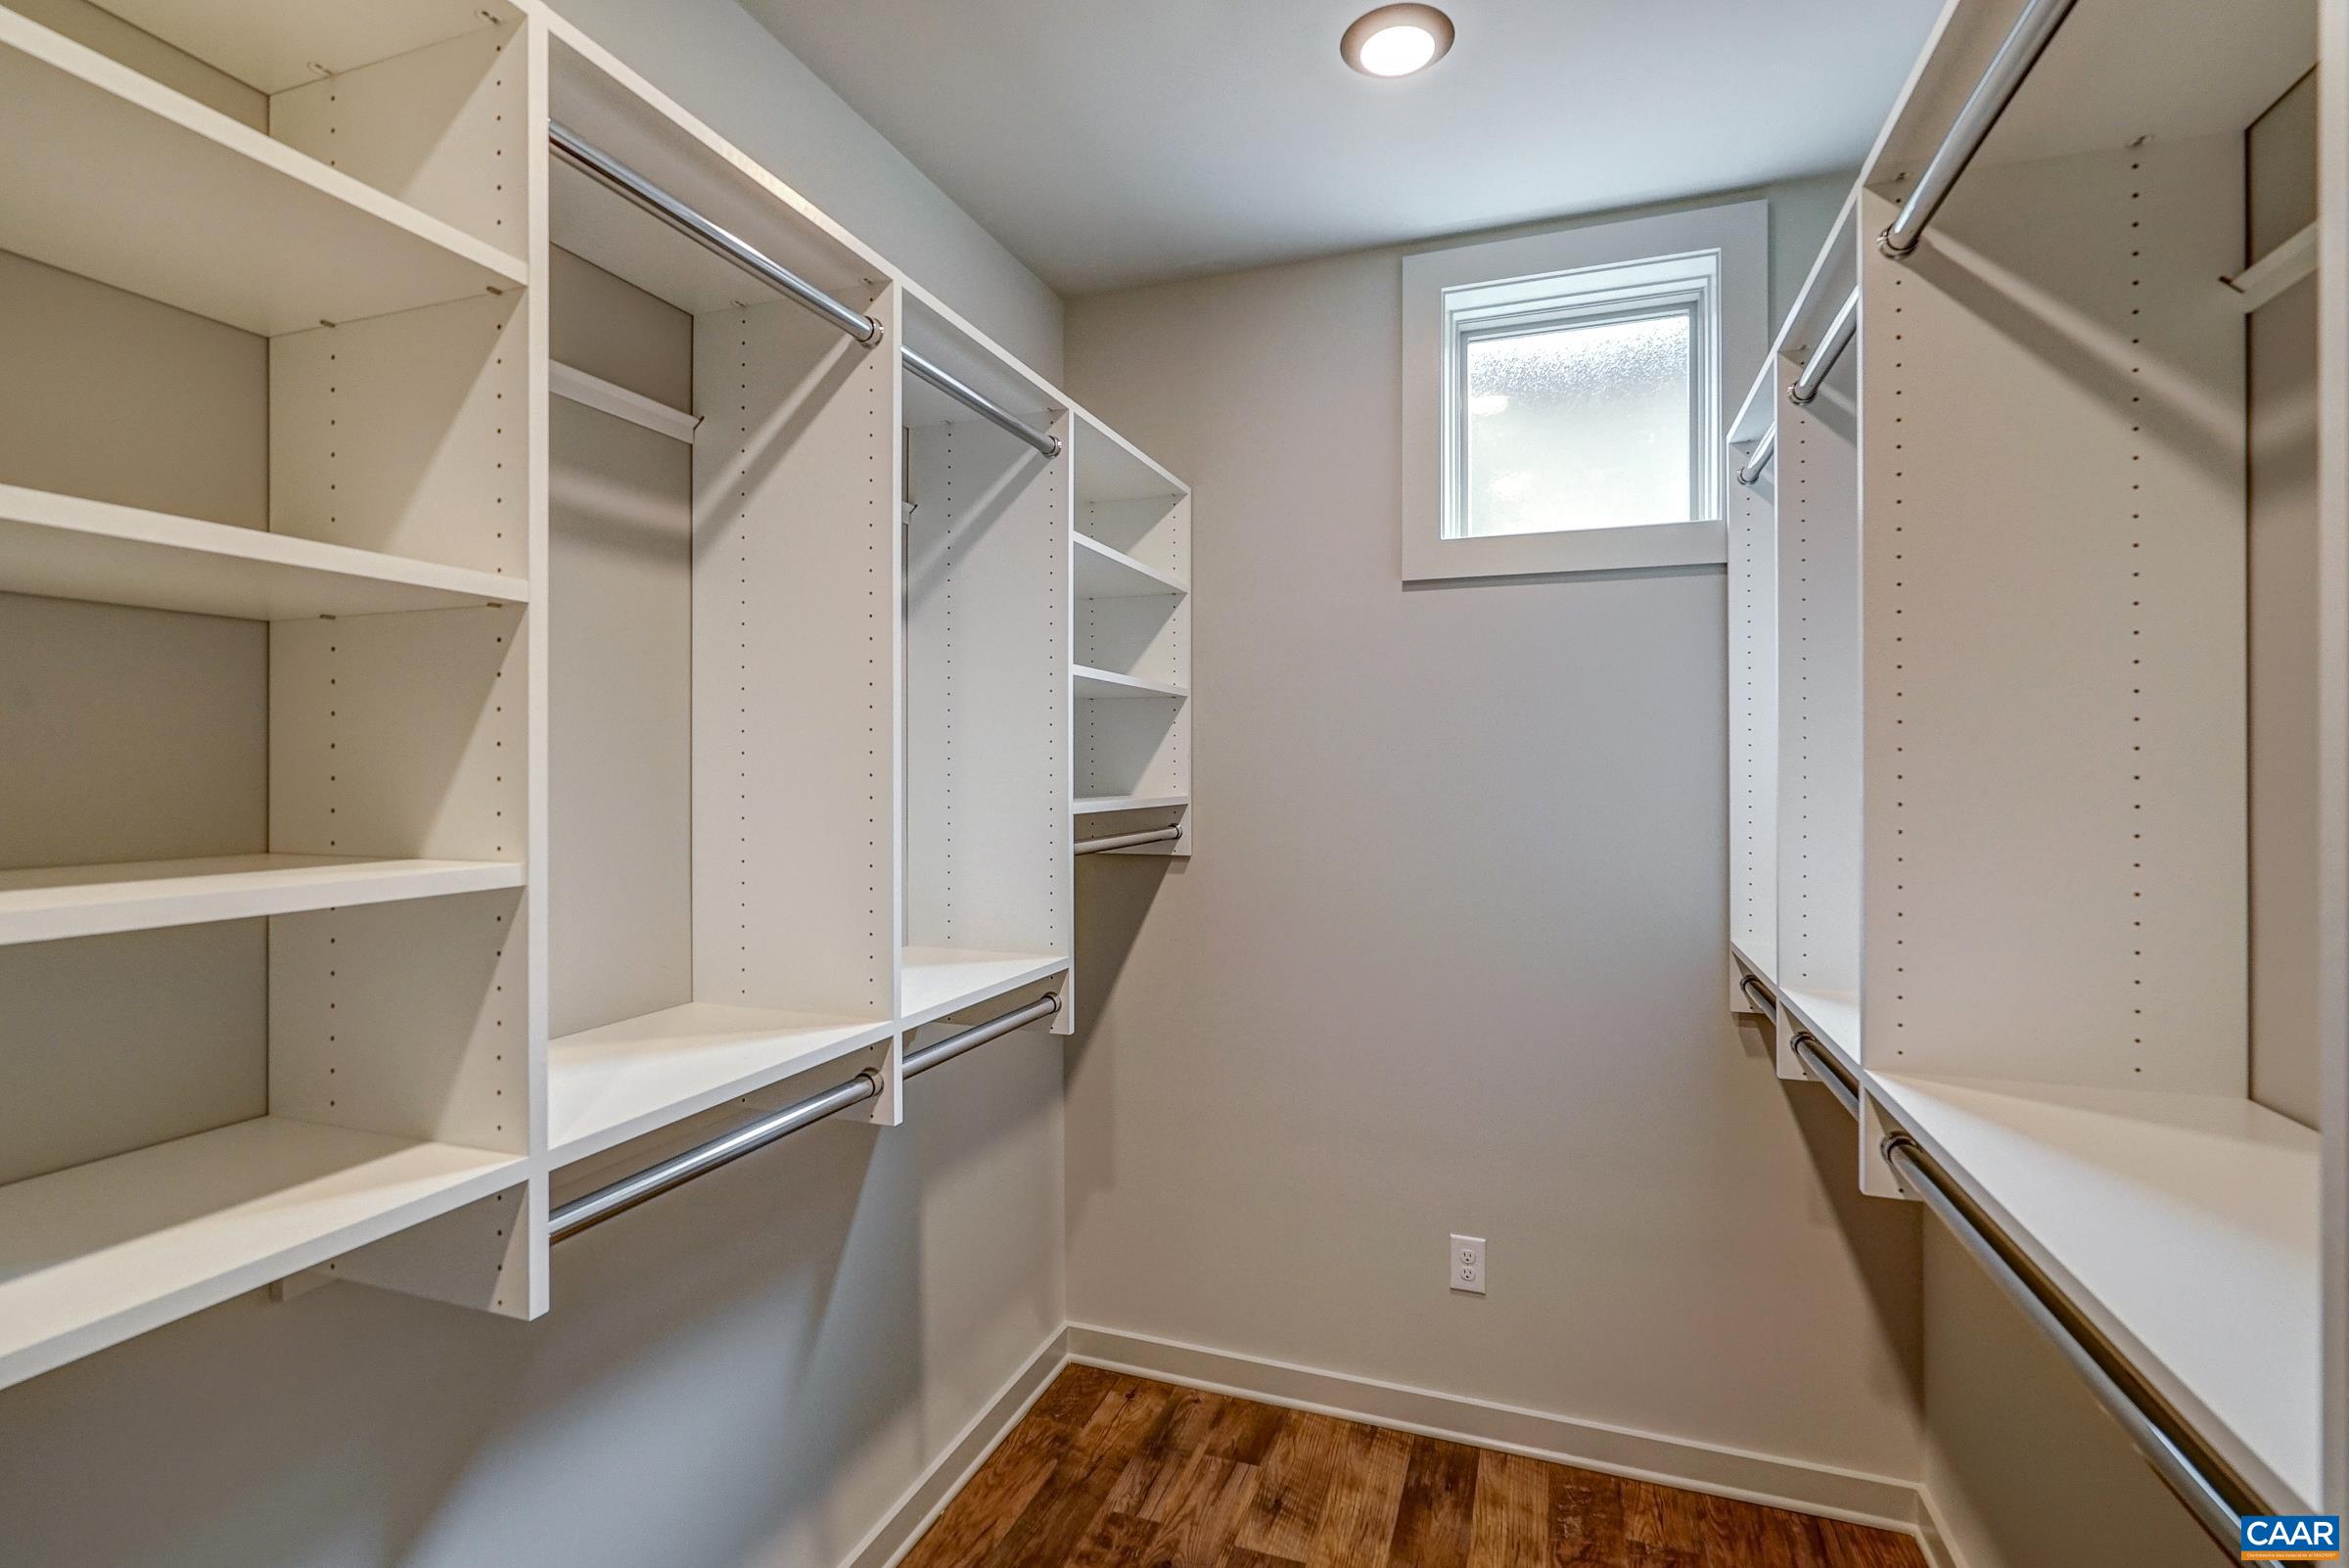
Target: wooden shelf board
x=116 y=177
x=1098 y=804
x=94 y=1255
x=88 y=901
x=1106 y=573
x=2186 y=1226
x=1109 y=684
x=938 y=981
x=1832 y=1015
x=66 y=547
x=607 y=1085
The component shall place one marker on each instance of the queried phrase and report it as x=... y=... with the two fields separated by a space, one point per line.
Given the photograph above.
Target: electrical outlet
x=1467 y=1268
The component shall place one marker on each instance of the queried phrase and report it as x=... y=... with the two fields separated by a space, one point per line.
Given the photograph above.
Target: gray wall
x=713 y=58
x=1451 y=955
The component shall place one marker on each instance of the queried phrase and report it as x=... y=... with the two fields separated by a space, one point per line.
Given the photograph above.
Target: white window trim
x=1739 y=231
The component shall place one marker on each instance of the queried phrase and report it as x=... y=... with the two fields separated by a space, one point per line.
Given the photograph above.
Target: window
x=1564 y=394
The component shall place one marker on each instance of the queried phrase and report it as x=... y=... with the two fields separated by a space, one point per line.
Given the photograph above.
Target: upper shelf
x=1106 y=573
x=54 y=902
x=2116 y=71
x=118 y=178
x=2186 y=1225
x=600 y=99
x=1105 y=804
x=93 y=1255
x=1108 y=684
x=66 y=547
x=609 y=1085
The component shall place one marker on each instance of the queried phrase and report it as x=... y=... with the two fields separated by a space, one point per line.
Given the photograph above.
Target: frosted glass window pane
x=1585 y=425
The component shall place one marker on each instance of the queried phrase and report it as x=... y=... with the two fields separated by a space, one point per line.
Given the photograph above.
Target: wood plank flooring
x=1110 y=1471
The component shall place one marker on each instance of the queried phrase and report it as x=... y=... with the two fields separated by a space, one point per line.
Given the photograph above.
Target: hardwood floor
x=1110 y=1471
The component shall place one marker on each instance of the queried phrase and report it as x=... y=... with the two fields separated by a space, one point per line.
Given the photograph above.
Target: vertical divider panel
x=1752 y=578
x=538 y=561
x=1818 y=691
x=795 y=662
x=988 y=623
x=2056 y=654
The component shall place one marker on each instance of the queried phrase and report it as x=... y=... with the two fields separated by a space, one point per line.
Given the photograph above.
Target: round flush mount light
x=1396 y=40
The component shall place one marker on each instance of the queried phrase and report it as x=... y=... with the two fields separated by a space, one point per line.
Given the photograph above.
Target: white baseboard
x=1938 y=1550
x=1852 y=1495
x=918 y=1509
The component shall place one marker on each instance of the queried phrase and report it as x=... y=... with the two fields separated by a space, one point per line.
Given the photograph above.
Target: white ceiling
x=1116 y=142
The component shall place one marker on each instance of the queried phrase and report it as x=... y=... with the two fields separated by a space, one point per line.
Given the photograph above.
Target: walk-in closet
x=603 y=957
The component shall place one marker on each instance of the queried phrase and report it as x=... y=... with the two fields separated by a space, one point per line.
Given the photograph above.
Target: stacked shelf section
x=2028 y=639
x=266 y=578
x=1132 y=674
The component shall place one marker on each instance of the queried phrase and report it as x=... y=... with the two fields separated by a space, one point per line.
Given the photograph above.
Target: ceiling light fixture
x=1396 y=40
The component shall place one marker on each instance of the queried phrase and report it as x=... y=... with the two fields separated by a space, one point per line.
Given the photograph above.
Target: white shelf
x=66 y=547
x=1106 y=573
x=607 y=1085
x=1099 y=805
x=88 y=901
x=938 y=981
x=1760 y=971
x=110 y=175
x=1105 y=683
x=1832 y=1015
x=96 y=1254
x=2186 y=1225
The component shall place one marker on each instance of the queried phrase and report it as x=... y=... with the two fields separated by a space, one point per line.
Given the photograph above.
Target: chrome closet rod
x=1760 y=460
x=1840 y=333
x=1806 y=1048
x=2025 y=42
x=2212 y=1492
x=1126 y=841
x=983 y=405
x=611 y=171
x=594 y=1208
x=1757 y=994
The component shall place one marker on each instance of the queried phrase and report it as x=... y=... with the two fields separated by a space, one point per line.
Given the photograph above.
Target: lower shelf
x=1831 y=1015
x=100 y=1253
x=938 y=981
x=89 y=900
x=1100 y=805
x=2187 y=1226
x=607 y=1085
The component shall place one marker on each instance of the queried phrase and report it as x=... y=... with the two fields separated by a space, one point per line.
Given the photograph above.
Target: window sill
x=1427 y=559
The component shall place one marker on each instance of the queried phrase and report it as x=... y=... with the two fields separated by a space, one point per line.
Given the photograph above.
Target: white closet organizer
x=1132 y=670
x=479 y=709
x=2022 y=836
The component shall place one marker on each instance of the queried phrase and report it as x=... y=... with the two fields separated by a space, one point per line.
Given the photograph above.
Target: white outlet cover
x=1465 y=1264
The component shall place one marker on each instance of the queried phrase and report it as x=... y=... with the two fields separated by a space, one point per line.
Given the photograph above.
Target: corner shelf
x=2186 y=1225
x=88 y=901
x=1102 y=805
x=938 y=981
x=154 y=193
x=1106 y=683
x=609 y=1085
x=1106 y=573
x=93 y=1255
x=67 y=547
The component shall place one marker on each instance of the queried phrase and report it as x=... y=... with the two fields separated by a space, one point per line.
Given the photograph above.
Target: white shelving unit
x=419 y=788
x=1132 y=666
x=2027 y=740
